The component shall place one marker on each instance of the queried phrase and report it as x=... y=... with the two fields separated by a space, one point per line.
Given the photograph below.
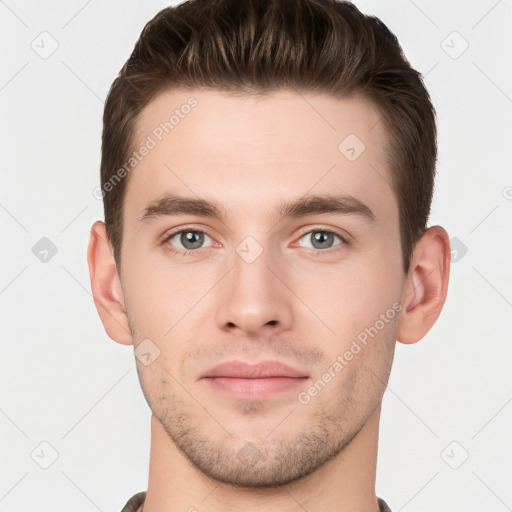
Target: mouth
x=253 y=381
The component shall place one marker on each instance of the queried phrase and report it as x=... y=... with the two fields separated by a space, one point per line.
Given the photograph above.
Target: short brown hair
x=259 y=46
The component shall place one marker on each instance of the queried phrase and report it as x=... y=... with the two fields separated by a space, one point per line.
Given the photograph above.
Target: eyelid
x=345 y=238
x=173 y=232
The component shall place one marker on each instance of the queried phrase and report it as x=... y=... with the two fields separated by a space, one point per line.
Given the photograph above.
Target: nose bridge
x=252 y=280
x=254 y=297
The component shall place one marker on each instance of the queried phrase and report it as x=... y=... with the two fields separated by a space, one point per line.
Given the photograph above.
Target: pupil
x=192 y=239
x=322 y=238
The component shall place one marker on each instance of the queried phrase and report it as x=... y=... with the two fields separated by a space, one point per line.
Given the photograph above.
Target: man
x=267 y=170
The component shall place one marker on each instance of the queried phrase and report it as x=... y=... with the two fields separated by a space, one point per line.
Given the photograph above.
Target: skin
x=296 y=303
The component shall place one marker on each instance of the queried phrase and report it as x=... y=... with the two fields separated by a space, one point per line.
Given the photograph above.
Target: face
x=278 y=242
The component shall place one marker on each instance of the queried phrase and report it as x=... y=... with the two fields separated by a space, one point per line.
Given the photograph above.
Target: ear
x=427 y=285
x=106 y=285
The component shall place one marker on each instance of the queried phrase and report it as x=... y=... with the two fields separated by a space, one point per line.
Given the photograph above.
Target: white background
x=66 y=383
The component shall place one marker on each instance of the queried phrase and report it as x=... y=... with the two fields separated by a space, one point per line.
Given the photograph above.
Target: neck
x=346 y=482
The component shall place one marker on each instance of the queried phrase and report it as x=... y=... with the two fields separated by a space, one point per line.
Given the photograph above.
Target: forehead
x=249 y=153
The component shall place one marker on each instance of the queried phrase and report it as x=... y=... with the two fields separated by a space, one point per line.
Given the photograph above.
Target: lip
x=253 y=381
x=262 y=370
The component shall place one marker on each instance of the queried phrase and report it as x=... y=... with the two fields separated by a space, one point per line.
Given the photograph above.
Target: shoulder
x=383 y=506
x=133 y=504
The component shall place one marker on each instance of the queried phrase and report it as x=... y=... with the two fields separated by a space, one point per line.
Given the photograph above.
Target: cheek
x=157 y=382
x=159 y=294
x=350 y=297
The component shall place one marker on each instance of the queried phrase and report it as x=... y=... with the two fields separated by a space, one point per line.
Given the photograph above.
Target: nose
x=254 y=299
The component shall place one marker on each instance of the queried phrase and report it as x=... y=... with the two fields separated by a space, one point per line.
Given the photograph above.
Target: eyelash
x=191 y=252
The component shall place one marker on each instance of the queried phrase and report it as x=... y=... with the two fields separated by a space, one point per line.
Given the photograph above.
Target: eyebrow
x=171 y=204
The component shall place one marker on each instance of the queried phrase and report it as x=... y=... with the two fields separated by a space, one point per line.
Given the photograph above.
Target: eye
x=322 y=239
x=187 y=239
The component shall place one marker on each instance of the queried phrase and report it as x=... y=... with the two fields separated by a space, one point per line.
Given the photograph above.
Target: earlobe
x=427 y=285
x=106 y=286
